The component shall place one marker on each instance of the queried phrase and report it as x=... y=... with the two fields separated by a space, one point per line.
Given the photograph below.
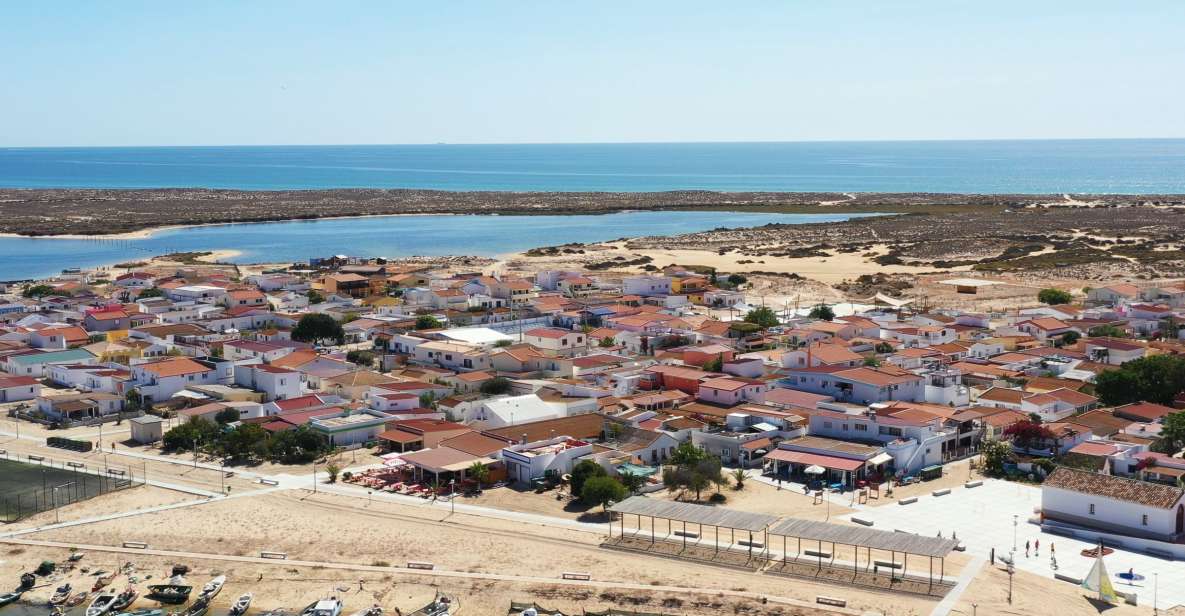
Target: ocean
x=1042 y=166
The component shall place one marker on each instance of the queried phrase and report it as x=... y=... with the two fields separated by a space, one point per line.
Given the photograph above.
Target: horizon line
x=520 y=143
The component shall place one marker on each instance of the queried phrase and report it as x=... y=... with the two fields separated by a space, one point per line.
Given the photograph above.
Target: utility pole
x=314 y=477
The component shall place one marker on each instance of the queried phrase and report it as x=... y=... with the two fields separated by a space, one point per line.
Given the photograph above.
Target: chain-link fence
x=40 y=484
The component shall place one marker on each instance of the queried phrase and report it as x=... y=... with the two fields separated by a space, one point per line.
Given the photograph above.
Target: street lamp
x=452 y=499
x=1011 y=570
x=1014 y=523
x=1155 y=589
x=314 y=477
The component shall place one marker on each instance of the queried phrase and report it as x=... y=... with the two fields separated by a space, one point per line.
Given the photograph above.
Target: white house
x=274 y=382
x=1113 y=504
x=555 y=341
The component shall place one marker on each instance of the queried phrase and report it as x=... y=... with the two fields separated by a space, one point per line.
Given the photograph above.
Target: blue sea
x=1047 y=166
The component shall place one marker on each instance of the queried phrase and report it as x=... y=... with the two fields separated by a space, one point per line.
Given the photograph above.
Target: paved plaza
x=982 y=518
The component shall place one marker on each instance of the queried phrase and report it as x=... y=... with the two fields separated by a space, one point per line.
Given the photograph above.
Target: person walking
x=1037 y=547
x=1027 y=548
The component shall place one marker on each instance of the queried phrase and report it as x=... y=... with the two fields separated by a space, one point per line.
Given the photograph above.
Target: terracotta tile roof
x=1118 y=488
x=175 y=367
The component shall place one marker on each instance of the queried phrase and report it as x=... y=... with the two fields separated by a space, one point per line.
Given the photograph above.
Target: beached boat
x=325 y=607
x=374 y=610
x=76 y=599
x=101 y=604
x=197 y=608
x=212 y=588
x=442 y=605
x=174 y=592
x=60 y=595
x=9 y=597
x=125 y=599
x=76 y=556
x=102 y=581
x=241 y=604
x=144 y=611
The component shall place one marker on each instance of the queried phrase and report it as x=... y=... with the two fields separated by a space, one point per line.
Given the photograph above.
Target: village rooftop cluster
x=462 y=380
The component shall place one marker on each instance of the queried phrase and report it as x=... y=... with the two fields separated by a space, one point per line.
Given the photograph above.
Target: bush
x=427 y=321
x=602 y=491
x=1054 y=296
x=496 y=386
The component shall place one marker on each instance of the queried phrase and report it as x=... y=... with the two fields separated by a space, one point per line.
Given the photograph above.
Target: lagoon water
x=1031 y=166
x=386 y=236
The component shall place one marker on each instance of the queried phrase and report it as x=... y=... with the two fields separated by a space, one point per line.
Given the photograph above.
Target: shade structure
x=694 y=514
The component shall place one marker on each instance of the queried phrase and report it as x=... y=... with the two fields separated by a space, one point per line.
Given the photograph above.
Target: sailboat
x=1099 y=581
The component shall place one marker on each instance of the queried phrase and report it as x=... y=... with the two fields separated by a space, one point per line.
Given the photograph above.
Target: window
x=1092 y=509
x=860 y=427
x=845 y=427
x=827 y=424
x=724 y=454
x=1144 y=520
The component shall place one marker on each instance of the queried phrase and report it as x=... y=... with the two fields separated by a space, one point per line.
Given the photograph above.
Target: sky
x=519 y=71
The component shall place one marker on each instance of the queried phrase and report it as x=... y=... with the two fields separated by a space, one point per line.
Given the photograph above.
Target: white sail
x=1099 y=581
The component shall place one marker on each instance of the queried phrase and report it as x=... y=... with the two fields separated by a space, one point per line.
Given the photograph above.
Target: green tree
x=822 y=312
x=883 y=348
x=872 y=362
x=716 y=364
x=427 y=321
x=607 y=342
x=496 y=386
x=692 y=469
x=763 y=317
x=632 y=481
x=226 y=416
x=247 y=441
x=1054 y=296
x=738 y=477
x=503 y=343
x=333 y=468
x=362 y=358
x=478 y=472
x=202 y=432
x=1172 y=434
x=1071 y=337
x=603 y=491
x=1157 y=378
x=297 y=446
x=686 y=453
x=41 y=290
x=583 y=471
x=428 y=400
x=737 y=280
x=150 y=292
x=995 y=454
x=314 y=296
x=1106 y=331
x=316 y=327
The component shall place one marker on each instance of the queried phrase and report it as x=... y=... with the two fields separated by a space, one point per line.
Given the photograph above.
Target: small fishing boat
x=125 y=599
x=174 y=592
x=28 y=580
x=10 y=597
x=144 y=611
x=76 y=599
x=374 y=610
x=212 y=588
x=325 y=607
x=102 y=581
x=60 y=595
x=442 y=605
x=76 y=556
x=57 y=611
x=241 y=604
x=101 y=604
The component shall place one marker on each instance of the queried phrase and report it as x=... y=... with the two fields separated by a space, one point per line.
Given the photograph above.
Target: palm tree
x=632 y=482
x=479 y=473
x=739 y=476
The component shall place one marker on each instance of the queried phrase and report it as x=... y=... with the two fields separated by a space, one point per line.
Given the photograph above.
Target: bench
x=75 y=465
x=972 y=484
x=274 y=555
x=908 y=501
x=415 y=564
x=1058 y=530
x=269 y=482
x=575 y=575
x=116 y=471
x=138 y=545
x=862 y=521
x=752 y=544
x=942 y=492
x=835 y=601
x=817 y=554
x=36 y=458
x=1065 y=578
x=887 y=564
x=690 y=534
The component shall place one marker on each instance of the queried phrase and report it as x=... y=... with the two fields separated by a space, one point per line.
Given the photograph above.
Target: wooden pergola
x=687 y=513
x=857 y=537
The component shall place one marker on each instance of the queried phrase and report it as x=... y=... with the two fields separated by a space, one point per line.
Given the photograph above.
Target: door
x=1180 y=519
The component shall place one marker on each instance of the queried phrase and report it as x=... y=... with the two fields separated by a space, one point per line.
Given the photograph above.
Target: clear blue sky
x=167 y=73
